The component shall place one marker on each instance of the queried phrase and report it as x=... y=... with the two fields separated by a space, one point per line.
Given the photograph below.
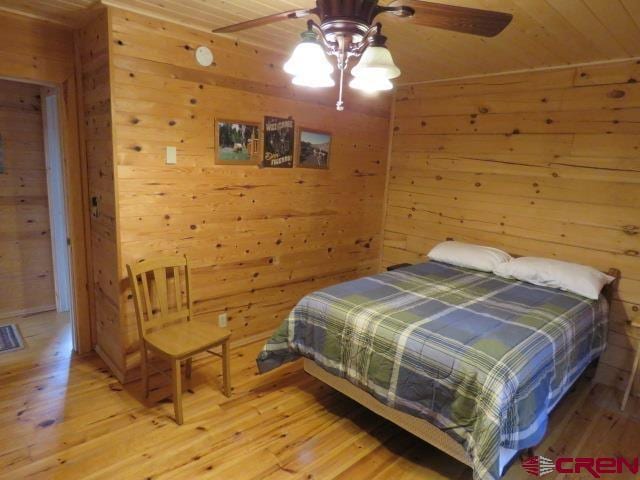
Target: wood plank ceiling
x=544 y=33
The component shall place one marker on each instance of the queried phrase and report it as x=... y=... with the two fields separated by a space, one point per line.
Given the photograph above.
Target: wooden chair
x=165 y=322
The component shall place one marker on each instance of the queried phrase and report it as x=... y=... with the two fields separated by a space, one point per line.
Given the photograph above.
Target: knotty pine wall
x=93 y=51
x=259 y=239
x=544 y=163
x=26 y=270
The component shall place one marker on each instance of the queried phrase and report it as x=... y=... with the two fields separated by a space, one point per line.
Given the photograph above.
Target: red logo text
x=595 y=466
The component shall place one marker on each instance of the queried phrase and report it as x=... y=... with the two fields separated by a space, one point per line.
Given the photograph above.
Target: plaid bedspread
x=481 y=357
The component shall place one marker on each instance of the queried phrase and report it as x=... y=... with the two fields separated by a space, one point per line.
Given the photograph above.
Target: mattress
x=482 y=357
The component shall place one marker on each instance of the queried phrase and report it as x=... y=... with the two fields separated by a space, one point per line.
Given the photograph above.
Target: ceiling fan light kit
x=371 y=85
x=347 y=31
x=308 y=58
x=375 y=70
x=313 y=81
x=346 y=41
x=376 y=62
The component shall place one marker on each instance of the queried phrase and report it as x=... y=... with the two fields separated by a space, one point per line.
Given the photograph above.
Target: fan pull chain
x=343 y=61
x=340 y=103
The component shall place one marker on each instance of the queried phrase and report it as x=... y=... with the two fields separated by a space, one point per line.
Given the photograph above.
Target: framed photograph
x=237 y=143
x=314 y=148
x=278 y=142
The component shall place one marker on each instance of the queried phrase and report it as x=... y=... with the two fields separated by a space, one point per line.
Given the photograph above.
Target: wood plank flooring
x=66 y=417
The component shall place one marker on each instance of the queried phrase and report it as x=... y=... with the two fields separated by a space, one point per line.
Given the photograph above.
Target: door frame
x=75 y=181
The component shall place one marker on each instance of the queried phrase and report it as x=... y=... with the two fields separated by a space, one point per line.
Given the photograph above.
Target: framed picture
x=278 y=142
x=237 y=143
x=314 y=148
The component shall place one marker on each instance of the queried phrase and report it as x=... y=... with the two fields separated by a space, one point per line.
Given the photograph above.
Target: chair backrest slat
x=150 y=281
x=160 y=283
x=176 y=284
x=146 y=295
x=137 y=299
x=188 y=287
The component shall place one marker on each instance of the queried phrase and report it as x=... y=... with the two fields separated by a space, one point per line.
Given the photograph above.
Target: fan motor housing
x=346 y=17
x=352 y=18
x=333 y=29
x=362 y=11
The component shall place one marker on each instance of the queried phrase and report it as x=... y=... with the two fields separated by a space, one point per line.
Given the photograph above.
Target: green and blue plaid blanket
x=482 y=357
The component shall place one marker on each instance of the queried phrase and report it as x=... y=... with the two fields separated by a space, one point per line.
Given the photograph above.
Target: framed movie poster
x=237 y=143
x=314 y=148
x=278 y=142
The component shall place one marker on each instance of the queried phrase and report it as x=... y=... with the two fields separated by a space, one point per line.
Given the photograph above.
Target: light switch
x=172 y=156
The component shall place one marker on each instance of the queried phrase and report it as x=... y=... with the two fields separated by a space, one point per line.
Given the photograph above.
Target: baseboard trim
x=258 y=337
x=119 y=374
x=27 y=311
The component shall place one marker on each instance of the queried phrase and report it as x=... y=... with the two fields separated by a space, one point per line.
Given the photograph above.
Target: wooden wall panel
x=544 y=164
x=93 y=41
x=26 y=270
x=32 y=49
x=259 y=239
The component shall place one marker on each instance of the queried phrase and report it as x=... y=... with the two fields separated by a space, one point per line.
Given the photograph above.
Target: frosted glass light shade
x=308 y=59
x=313 y=81
x=371 y=84
x=376 y=62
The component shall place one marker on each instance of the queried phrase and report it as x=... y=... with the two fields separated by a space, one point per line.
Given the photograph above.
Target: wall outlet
x=223 y=321
x=172 y=156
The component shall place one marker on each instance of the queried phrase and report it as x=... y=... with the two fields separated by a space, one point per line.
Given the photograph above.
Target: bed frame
x=420 y=427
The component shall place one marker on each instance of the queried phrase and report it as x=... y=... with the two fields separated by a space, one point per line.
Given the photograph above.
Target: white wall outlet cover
x=204 y=56
x=222 y=320
x=172 y=156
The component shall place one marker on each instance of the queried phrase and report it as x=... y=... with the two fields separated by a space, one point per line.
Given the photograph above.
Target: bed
x=468 y=361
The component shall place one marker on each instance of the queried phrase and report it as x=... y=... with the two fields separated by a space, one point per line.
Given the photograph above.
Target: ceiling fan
x=347 y=30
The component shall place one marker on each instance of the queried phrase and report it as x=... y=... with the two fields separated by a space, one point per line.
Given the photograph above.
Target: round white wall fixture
x=204 y=56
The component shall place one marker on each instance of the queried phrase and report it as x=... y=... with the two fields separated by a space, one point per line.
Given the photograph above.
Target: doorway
x=35 y=268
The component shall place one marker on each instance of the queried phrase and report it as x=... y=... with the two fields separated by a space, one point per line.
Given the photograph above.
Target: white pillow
x=469 y=255
x=572 y=277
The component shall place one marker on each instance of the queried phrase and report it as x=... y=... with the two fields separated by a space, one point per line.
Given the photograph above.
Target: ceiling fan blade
x=486 y=23
x=258 y=22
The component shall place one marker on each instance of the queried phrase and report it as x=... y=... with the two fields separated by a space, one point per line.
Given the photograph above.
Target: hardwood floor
x=67 y=417
x=47 y=337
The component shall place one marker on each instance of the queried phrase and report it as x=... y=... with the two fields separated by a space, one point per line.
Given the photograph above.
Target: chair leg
x=188 y=367
x=226 y=368
x=144 y=370
x=177 y=390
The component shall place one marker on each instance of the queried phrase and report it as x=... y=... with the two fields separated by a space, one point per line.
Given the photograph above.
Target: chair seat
x=185 y=339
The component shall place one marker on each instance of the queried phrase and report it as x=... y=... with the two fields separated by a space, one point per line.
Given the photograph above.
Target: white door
x=57 y=206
